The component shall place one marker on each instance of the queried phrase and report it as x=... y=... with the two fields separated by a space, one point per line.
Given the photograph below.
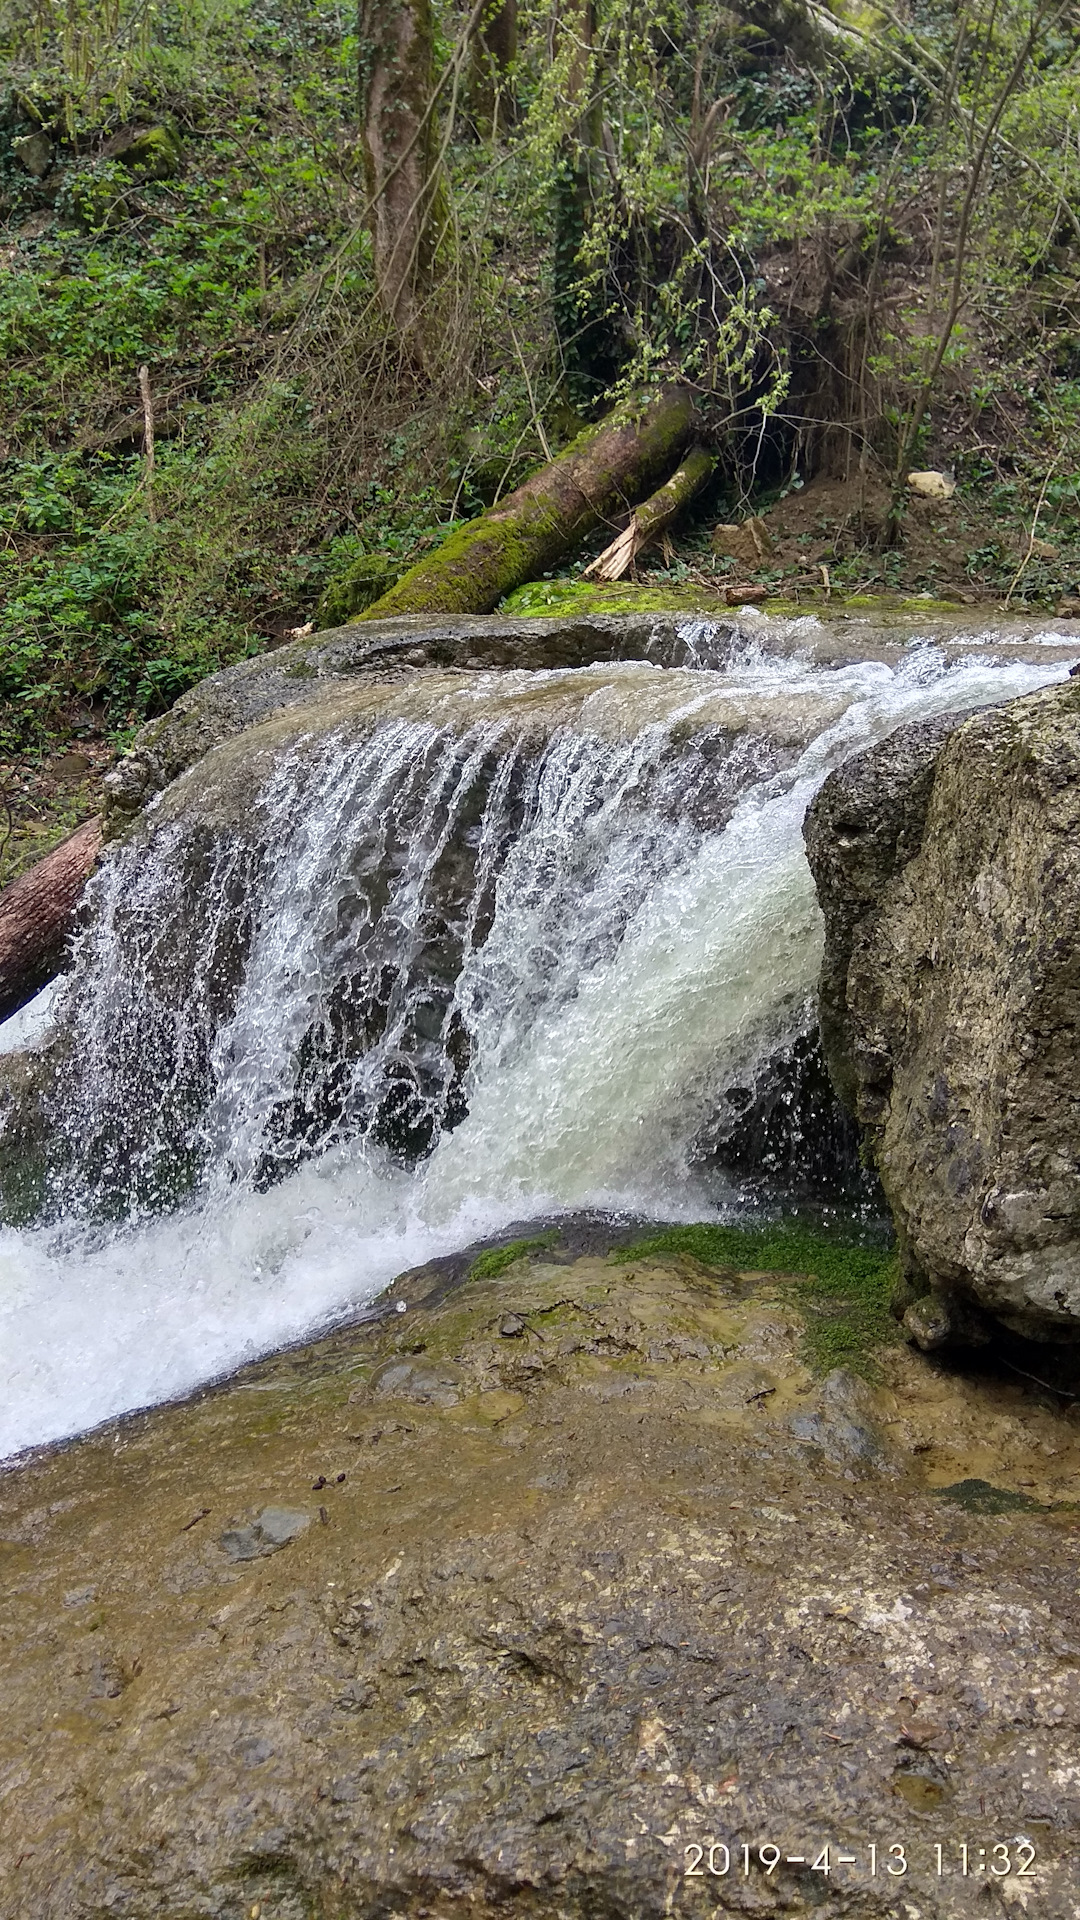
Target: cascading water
x=483 y=947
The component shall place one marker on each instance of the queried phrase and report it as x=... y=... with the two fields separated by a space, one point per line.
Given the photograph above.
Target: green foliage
x=845 y=1295
x=745 y=203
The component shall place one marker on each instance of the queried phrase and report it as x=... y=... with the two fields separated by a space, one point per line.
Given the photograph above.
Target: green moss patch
x=488 y=1266
x=548 y=597
x=844 y=1296
x=363 y=582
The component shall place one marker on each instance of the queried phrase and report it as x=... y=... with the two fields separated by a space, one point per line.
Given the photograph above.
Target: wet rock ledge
x=497 y=1605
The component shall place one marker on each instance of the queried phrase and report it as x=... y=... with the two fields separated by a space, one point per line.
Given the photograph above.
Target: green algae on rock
x=846 y=1290
x=561 y=597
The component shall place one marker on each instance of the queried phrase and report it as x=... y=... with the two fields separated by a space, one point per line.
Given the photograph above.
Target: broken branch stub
x=650 y=521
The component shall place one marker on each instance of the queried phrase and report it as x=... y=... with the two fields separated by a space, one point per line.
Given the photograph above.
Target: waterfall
x=481 y=947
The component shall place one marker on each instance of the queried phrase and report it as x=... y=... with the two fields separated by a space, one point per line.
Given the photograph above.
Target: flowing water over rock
x=404 y=962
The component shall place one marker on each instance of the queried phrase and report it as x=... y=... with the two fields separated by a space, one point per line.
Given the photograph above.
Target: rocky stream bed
x=512 y=1601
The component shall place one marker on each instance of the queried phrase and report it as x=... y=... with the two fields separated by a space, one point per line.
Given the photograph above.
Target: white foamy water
x=495 y=952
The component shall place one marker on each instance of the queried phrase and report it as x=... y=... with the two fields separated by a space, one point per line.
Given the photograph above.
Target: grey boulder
x=947 y=863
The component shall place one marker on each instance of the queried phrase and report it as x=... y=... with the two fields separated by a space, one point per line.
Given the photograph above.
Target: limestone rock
x=932 y=485
x=949 y=872
x=864 y=826
x=534 y=1657
x=241 y=696
x=747 y=541
x=270 y=1530
x=155 y=152
x=34 y=153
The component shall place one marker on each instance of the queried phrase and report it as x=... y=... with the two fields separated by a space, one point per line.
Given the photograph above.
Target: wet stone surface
x=595 y=1571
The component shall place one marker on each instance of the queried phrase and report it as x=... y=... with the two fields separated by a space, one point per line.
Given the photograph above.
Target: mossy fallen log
x=603 y=472
x=651 y=520
x=37 y=914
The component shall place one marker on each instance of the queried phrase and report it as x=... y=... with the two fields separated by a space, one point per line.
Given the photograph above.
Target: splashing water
x=490 y=946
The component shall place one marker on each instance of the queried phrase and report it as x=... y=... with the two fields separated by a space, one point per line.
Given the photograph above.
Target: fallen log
x=604 y=471
x=37 y=914
x=649 y=521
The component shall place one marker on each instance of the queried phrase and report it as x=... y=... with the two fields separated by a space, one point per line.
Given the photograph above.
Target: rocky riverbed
x=512 y=1601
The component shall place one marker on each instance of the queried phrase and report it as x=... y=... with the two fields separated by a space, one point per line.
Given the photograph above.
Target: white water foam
x=620 y=960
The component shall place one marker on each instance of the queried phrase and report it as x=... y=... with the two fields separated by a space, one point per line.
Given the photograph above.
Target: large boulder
x=947 y=862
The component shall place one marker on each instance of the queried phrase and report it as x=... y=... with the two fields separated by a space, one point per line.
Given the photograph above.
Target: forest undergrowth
x=851 y=231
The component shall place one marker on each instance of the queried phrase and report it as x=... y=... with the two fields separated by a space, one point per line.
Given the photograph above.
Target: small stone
x=512 y=1326
x=942 y=1320
x=34 y=153
x=72 y=766
x=272 y=1529
x=431 y=1383
x=279 y=1525
x=354 y=1697
x=932 y=485
x=746 y=541
x=106 y=1679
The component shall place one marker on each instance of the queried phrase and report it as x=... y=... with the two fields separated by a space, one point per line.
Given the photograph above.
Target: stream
x=494 y=946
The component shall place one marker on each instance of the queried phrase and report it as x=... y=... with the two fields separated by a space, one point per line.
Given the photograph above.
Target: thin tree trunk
x=580 y=316
x=604 y=471
x=649 y=521
x=399 y=129
x=148 y=435
x=37 y=914
x=494 y=54
x=1044 y=15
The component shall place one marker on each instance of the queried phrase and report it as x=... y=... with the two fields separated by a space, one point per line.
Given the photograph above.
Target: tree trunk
x=581 y=320
x=37 y=914
x=399 y=128
x=604 y=471
x=494 y=53
x=499 y=31
x=649 y=521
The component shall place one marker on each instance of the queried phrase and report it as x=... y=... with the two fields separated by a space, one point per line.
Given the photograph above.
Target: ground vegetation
x=849 y=232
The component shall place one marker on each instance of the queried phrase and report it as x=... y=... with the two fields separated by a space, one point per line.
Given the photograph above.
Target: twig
x=1050 y=1388
x=148 y=435
x=1022 y=568
x=537 y=422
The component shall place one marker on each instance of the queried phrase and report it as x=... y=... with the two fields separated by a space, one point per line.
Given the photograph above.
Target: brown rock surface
x=634 y=1583
x=950 y=878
